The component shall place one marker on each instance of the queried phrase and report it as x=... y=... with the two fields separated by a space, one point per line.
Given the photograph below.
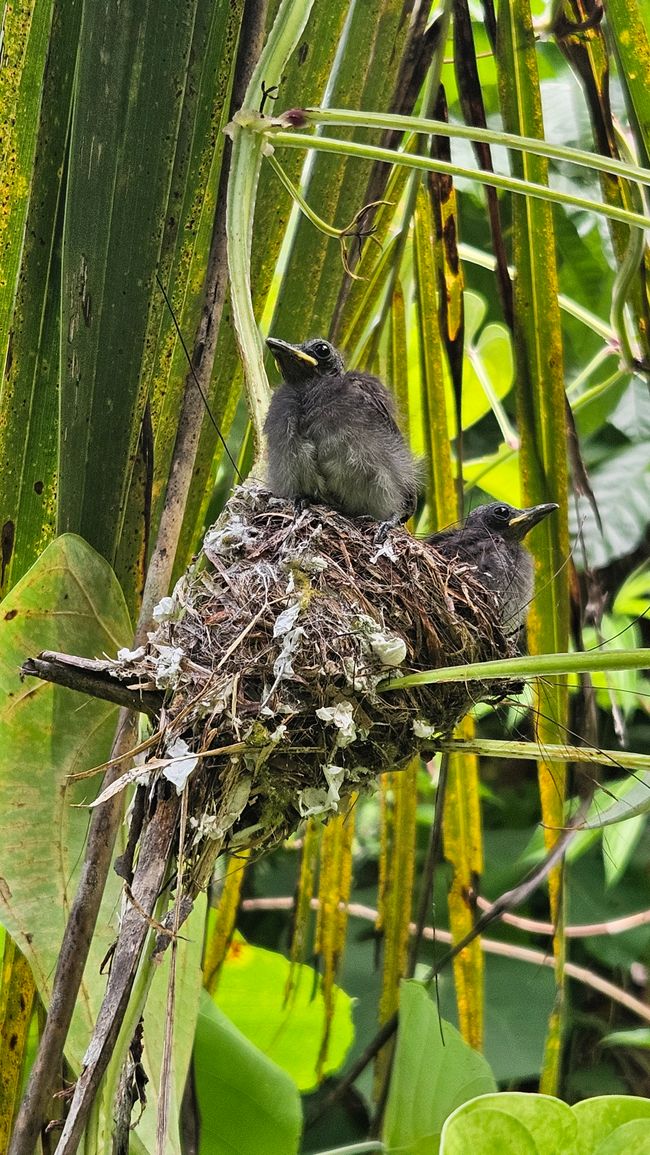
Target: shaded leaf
x=229 y=1072
x=622 y=489
x=434 y=1071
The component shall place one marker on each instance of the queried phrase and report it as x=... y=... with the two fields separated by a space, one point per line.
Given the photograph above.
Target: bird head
x=508 y=522
x=299 y=363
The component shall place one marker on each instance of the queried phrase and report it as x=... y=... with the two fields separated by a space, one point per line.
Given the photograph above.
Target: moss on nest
x=270 y=651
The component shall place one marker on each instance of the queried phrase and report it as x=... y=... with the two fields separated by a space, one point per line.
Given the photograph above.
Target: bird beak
x=525 y=519
x=286 y=356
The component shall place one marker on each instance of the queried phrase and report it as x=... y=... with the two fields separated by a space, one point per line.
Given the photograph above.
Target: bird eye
x=320 y=350
x=502 y=512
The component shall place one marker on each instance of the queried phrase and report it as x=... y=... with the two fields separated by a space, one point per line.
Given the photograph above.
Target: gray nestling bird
x=491 y=540
x=332 y=436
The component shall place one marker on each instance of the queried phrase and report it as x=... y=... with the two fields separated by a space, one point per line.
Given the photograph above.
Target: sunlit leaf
x=69 y=600
x=252 y=991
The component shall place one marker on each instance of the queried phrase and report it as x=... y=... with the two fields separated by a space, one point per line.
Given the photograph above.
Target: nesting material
x=270 y=651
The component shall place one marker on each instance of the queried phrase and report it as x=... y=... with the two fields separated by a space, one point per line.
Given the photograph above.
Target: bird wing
x=373 y=393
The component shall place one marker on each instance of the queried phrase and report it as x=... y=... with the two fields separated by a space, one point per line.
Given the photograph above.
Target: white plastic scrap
x=167 y=666
x=179 y=770
x=385 y=645
x=167 y=610
x=285 y=627
x=359 y=680
x=286 y=620
x=423 y=729
x=218 y=826
x=282 y=666
x=312 y=801
x=389 y=648
x=341 y=716
x=385 y=550
x=315 y=800
x=234 y=535
x=126 y=655
x=312 y=563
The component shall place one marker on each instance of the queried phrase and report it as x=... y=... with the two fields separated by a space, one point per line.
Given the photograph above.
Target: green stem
x=246 y=159
x=431 y=127
x=428 y=164
x=297 y=196
x=625 y=278
x=530 y=666
x=584 y=375
x=530 y=751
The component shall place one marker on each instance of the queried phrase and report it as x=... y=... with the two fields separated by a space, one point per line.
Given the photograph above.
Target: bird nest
x=271 y=653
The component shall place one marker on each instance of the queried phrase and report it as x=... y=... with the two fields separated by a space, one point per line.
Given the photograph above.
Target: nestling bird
x=491 y=541
x=332 y=436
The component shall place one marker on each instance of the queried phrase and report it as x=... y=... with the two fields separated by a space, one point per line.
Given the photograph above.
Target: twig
x=493 y=946
x=149 y=877
x=90 y=677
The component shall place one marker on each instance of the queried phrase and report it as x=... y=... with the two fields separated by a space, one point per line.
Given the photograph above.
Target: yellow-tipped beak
x=530 y=517
x=284 y=351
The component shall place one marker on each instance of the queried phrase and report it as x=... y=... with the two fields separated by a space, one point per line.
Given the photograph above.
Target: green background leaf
x=247 y=1104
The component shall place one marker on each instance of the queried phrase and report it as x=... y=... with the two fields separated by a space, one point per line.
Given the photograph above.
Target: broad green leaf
x=463 y=849
x=632 y=414
x=252 y=992
x=515 y=992
x=488 y=376
x=122 y=154
x=247 y=1104
x=485 y=1124
x=16 y=1000
x=25 y=32
x=484 y=1132
x=441 y=496
x=626 y=687
x=631 y=40
x=496 y=473
x=633 y=598
x=622 y=489
x=30 y=298
x=70 y=601
x=191 y=203
x=433 y=1073
x=599 y=1118
x=632 y=797
x=619 y=844
x=632 y=1136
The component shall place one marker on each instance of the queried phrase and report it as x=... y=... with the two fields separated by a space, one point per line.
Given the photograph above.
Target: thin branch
x=494 y=947
x=578 y=930
x=90 y=677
